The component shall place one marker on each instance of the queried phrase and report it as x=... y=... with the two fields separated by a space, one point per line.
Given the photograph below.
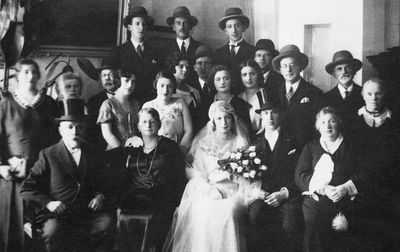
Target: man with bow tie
x=65 y=185
x=137 y=55
x=234 y=24
x=274 y=220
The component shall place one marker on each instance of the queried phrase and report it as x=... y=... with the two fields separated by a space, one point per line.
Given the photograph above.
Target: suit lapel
x=66 y=160
x=281 y=149
x=298 y=95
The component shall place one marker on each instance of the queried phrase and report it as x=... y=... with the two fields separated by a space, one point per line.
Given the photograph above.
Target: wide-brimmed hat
x=182 y=12
x=137 y=11
x=234 y=13
x=268 y=45
x=342 y=57
x=203 y=51
x=74 y=110
x=291 y=51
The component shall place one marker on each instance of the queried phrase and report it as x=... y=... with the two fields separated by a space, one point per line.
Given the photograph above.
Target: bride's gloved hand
x=218 y=176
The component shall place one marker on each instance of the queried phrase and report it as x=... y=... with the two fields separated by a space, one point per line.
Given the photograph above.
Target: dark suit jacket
x=146 y=69
x=300 y=116
x=274 y=79
x=193 y=45
x=348 y=109
x=281 y=163
x=223 y=56
x=95 y=102
x=94 y=131
x=55 y=176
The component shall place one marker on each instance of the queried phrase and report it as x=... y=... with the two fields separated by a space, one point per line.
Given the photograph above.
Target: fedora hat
x=291 y=51
x=74 y=110
x=268 y=45
x=234 y=13
x=203 y=51
x=342 y=57
x=182 y=12
x=137 y=11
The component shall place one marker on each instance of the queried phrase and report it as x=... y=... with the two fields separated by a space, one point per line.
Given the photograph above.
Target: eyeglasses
x=108 y=75
x=291 y=65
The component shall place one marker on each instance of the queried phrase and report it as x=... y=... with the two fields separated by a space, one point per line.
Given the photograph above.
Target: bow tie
x=236 y=44
x=75 y=150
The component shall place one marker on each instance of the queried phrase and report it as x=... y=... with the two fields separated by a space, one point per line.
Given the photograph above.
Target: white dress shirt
x=135 y=44
x=236 y=44
x=294 y=86
x=342 y=90
x=180 y=41
x=272 y=137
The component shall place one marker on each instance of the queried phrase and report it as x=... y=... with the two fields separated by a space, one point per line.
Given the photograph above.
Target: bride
x=211 y=213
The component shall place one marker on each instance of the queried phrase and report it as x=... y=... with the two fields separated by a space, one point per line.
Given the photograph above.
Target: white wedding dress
x=211 y=215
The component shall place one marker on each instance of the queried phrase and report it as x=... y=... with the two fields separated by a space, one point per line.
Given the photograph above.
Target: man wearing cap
x=265 y=52
x=138 y=56
x=65 y=186
x=237 y=50
x=182 y=23
x=346 y=96
x=274 y=220
x=301 y=99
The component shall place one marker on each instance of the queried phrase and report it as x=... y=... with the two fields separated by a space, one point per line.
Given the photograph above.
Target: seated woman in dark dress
x=154 y=178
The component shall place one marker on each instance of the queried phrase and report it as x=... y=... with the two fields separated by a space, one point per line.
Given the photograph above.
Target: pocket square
x=305 y=100
x=291 y=152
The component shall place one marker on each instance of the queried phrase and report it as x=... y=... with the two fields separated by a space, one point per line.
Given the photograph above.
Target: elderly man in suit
x=301 y=99
x=237 y=50
x=346 y=96
x=265 y=52
x=110 y=82
x=182 y=23
x=65 y=186
x=137 y=55
x=274 y=221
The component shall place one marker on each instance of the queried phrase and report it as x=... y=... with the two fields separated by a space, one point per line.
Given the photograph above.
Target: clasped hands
x=15 y=168
x=59 y=207
x=134 y=142
x=274 y=199
x=334 y=193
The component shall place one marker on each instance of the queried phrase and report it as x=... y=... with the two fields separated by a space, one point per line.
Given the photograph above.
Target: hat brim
x=87 y=67
x=193 y=20
x=300 y=57
x=356 y=64
x=242 y=18
x=72 y=118
x=267 y=106
x=128 y=19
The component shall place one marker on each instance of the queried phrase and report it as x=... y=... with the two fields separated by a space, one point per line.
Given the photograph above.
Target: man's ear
x=129 y=27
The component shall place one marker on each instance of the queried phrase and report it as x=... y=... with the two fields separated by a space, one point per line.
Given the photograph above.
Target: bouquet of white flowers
x=243 y=163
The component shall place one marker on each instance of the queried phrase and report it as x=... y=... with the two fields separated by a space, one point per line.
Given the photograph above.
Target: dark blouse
x=26 y=131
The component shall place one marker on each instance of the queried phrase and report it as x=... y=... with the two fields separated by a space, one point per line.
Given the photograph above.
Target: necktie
x=139 y=51
x=289 y=95
x=205 y=89
x=183 y=48
x=346 y=95
x=233 y=53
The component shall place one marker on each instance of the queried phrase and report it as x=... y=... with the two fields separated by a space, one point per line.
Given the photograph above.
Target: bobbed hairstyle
x=24 y=62
x=167 y=75
x=213 y=71
x=174 y=58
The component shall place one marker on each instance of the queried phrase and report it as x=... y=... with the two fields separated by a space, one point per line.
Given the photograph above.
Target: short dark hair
x=214 y=70
x=126 y=73
x=174 y=59
x=253 y=64
x=25 y=61
x=168 y=75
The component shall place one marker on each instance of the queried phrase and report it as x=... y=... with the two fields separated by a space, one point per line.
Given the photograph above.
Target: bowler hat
x=182 y=12
x=74 y=110
x=268 y=45
x=342 y=57
x=137 y=11
x=203 y=51
x=291 y=51
x=107 y=63
x=234 y=13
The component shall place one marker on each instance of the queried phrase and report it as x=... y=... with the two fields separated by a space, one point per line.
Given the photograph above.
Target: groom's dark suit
x=56 y=177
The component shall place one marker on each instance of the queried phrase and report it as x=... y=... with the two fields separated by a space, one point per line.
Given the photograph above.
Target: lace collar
x=375 y=120
x=22 y=101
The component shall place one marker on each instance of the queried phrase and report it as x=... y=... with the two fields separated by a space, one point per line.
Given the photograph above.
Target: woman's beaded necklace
x=151 y=162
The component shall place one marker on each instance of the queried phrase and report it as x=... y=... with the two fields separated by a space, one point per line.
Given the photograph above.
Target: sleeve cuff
x=285 y=192
x=351 y=188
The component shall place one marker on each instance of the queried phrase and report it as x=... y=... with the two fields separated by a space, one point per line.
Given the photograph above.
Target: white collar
x=180 y=41
x=23 y=102
x=272 y=138
x=294 y=86
x=331 y=147
x=202 y=82
x=135 y=44
x=235 y=43
x=342 y=89
x=266 y=74
x=374 y=121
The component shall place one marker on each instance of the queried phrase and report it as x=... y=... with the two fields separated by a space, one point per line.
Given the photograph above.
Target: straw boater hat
x=291 y=51
x=137 y=12
x=342 y=57
x=182 y=12
x=268 y=45
x=74 y=110
x=234 y=13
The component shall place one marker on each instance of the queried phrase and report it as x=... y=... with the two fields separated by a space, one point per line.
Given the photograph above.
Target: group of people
x=151 y=141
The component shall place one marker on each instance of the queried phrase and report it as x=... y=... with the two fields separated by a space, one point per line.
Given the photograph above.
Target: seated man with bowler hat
x=274 y=221
x=237 y=50
x=65 y=185
x=346 y=96
x=182 y=22
x=110 y=83
x=301 y=99
x=137 y=55
x=265 y=52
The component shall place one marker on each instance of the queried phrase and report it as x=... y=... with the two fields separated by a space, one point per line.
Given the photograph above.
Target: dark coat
x=193 y=45
x=300 y=116
x=274 y=79
x=95 y=102
x=347 y=108
x=93 y=106
x=281 y=163
x=146 y=69
x=55 y=176
x=223 y=56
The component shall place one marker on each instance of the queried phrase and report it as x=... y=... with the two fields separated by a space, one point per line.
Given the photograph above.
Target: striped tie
x=289 y=95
